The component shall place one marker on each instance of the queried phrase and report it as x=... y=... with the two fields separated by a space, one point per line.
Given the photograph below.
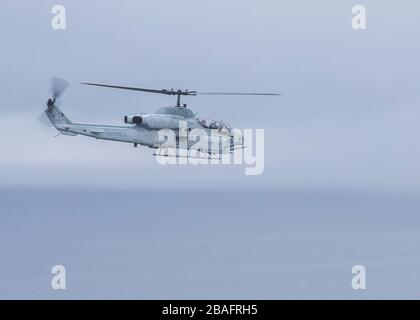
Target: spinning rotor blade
x=58 y=87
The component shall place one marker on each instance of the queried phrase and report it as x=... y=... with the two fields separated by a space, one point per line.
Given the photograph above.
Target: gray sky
x=348 y=117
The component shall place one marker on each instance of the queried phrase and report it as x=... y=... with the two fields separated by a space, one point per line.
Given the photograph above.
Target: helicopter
x=145 y=129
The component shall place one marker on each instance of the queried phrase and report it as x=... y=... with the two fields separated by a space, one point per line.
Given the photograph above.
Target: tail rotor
x=58 y=86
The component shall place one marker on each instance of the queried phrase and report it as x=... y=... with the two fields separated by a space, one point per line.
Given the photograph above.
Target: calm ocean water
x=186 y=244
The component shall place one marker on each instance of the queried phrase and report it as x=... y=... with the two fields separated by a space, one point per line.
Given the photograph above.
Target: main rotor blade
x=240 y=93
x=181 y=92
x=162 y=91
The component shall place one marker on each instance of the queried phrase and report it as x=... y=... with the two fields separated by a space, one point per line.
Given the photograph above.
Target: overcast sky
x=348 y=116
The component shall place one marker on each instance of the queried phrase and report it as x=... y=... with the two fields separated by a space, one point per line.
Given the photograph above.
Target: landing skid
x=174 y=153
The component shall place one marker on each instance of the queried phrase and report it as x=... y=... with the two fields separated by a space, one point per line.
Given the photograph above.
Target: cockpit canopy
x=221 y=126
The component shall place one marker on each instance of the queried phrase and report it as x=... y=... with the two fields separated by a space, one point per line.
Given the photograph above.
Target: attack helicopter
x=145 y=129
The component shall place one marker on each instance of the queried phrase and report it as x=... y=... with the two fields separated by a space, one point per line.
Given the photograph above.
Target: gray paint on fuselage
x=129 y=134
x=133 y=133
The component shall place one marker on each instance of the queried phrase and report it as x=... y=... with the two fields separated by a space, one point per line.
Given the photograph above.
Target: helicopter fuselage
x=136 y=134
